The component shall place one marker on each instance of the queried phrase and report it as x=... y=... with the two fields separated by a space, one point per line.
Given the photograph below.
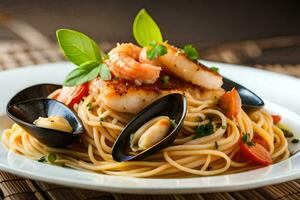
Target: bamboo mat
x=16 y=54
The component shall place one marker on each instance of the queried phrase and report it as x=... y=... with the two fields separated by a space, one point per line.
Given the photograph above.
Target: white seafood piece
x=150 y=133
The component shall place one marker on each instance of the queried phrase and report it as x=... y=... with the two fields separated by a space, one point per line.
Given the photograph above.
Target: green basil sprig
x=145 y=29
x=85 y=53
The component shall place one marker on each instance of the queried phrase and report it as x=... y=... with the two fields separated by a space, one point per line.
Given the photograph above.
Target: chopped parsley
x=51 y=158
x=116 y=78
x=173 y=123
x=204 y=130
x=216 y=145
x=165 y=79
x=246 y=139
x=101 y=119
x=215 y=69
x=89 y=105
x=42 y=159
x=295 y=141
x=156 y=50
x=190 y=52
x=223 y=126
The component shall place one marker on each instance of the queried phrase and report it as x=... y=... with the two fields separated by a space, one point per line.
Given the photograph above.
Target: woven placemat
x=17 y=54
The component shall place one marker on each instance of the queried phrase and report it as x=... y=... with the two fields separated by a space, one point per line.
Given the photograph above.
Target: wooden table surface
x=27 y=46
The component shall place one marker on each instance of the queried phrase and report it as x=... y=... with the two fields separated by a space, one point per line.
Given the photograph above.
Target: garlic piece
x=54 y=122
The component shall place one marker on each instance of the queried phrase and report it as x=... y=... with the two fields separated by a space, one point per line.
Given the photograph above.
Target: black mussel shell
x=26 y=112
x=174 y=106
x=250 y=101
x=33 y=92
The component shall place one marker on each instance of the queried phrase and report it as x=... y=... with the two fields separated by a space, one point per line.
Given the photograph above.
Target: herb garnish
x=295 y=141
x=145 y=29
x=165 y=79
x=246 y=139
x=51 y=158
x=42 y=159
x=190 y=52
x=173 y=123
x=156 y=50
x=85 y=53
x=215 y=69
x=89 y=105
x=223 y=126
x=204 y=130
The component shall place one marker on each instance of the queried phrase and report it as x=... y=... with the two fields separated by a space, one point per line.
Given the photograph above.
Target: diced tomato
x=231 y=103
x=276 y=118
x=256 y=153
x=72 y=95
x=258 y=139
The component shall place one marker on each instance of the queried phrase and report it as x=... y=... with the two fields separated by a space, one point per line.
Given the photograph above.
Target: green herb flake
x=246 y=139
x=156 y=50
x=216 y=145
x=102 y=119
x=295 y=141
x=89 y=105
x=224 y=126
x=204 y=130
x=165 y=79
x=42 y=159
x=190 y=52
x=145 y=29
x=51 y=158
x=215 y=69
x=173 y=123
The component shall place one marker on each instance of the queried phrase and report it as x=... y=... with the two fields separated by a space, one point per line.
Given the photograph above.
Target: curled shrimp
x=123 y=62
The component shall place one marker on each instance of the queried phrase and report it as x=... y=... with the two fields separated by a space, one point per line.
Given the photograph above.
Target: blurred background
x=257 y=33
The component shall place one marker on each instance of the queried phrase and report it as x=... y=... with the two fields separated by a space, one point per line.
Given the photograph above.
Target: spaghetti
x=216 y=153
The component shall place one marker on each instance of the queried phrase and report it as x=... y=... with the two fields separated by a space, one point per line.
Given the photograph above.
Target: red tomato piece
x=276 y=118
x=258 y=139
x=231 y=103
x=256 y=153
x=72 y=95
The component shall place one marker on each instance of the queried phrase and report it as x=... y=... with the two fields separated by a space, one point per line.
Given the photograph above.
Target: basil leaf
x=81 y=75
x=77 y=47
x=145 y=29
x=89 y=64
x=104 y=72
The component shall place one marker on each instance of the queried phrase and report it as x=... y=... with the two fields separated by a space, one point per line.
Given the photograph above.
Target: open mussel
x=250 y=101
x=153 y=129
x=32 y=92
x=32 y=104
x=27 y=112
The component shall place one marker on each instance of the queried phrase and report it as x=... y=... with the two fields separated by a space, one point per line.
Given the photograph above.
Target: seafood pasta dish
x=144 y=109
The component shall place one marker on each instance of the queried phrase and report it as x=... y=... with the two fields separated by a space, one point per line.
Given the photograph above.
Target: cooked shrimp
x=123 y=62
x=175 y=62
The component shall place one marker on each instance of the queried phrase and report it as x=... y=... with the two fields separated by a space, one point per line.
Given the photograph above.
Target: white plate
x=279 y=89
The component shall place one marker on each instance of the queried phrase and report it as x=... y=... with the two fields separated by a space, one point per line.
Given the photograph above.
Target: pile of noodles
x=188 y=156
